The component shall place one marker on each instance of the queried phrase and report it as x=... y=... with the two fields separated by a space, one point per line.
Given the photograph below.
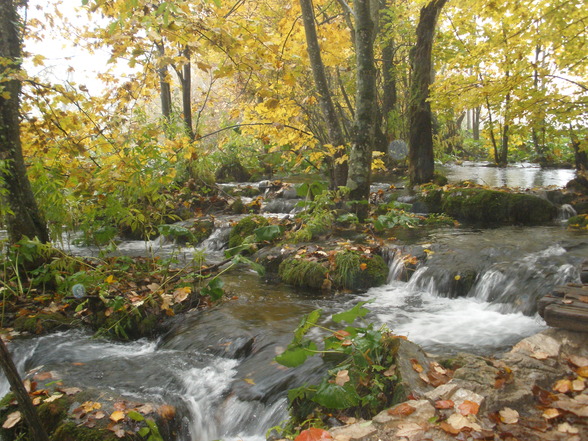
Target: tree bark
x=365 y=118
x=420 y=155
x=24 y=218
x=187 y=94
x=580 y=155
x=336 y=138
x=164 y=86
x=22 y=397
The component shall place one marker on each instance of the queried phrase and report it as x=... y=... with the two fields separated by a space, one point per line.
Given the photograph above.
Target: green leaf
x=296 y=354
x=256 y=266
x=214 y=289
x=332 y=396
x=134 y=415
x=267 y=233
x=217 y=3
x=306 y=322
x=237 y=250
x=144 y=431
x=352 y=314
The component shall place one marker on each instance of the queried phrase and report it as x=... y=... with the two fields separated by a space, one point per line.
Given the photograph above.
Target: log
x=567 y=317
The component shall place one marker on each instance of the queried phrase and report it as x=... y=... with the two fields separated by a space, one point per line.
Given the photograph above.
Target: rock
x=245 y=228
x=398 y=150
x=393 y=417
x=443 y=392
x=280 y=206
x=461 y=395
x=410 y=382
x=362 y=431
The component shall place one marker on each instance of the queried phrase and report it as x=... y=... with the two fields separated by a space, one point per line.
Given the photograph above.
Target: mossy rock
x=244 y=228
x=490 y=207
x=579 y=222
x=201 y=230
x=303 y=273
x=238 y=207
x=43 y=323
x=232 y=172
x=354 y=270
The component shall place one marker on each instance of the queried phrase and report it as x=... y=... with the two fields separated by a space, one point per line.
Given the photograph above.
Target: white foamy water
x=440 y=324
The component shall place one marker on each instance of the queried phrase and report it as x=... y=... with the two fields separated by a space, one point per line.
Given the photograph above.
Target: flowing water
x=216 y=366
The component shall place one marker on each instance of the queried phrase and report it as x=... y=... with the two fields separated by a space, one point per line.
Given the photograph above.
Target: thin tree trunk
x=22 y=397
x=580 y=155
x=338 y=166
x=165 y=88
x=25 y=218
x=364 y=127
x=187 y=94
x=420 y=154
x=503 y=159
x=476 y=123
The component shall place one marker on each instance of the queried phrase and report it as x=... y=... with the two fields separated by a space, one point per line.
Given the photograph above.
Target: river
x=216 y=365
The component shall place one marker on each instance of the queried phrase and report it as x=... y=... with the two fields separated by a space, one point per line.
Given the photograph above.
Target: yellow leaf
x=457 y=277
x=182 y=294
x=89 y=406
x=117 y=415
x=110 y=279
x=249 y=381
x=342 y=159
x=53 y=398
x=363 y=266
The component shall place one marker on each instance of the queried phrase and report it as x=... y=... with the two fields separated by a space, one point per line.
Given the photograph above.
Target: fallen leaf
x=37 y=401
x=363 y=266
x=99 y=415
x=12 y=420
x=70 y=390
x=89 y=406
x=578 y=361
x=391 y=371
x=403 y=409
x=117 y=430
x=145 y=409
x=117 y=415
x=567 y=428
x=551 y=413
x=167 y=411
x=582 y=371
x=444 y=404
x=460 y=422
x=41 y=376
x=509 y=416
x=563 y=386
x=249 y=381
x=583 y=299
x=342 y=377
x=424 y=377
x=578 y=385
x=416 y=366
x=110 y=279
x=53 y=398
x=469 y=408
x=182 y=294
x=449 y=428
x=313 y=434
x=341 y=335
x=409 y=430
x=540 y=355
x=577 y=406
x=153 y=287
x=120 y=405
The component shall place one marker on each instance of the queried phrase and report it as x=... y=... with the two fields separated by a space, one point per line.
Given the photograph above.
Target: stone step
x=566 y=308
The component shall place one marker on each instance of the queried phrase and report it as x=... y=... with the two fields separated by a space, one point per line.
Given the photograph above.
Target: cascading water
x=216 y=366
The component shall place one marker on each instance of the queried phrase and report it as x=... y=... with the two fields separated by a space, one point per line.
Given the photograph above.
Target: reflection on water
x=521 y=175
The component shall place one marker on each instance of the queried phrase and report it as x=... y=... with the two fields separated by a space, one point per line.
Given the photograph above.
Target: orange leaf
x=583 y=371
x=563 y=386
x=313 y=434
x=444 y=404
x=415 y=365
x=340 y=335
x=449 y=428
x=363 y=266
x=167 y=412
x=469 y=408
x=403 y=409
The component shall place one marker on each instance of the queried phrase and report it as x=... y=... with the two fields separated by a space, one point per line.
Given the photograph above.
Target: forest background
x=212 y=88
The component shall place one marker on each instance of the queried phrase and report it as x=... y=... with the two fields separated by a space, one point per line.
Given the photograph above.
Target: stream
x=216 y=365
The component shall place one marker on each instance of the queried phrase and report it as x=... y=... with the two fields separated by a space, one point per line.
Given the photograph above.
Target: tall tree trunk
x=420 y=155
x=580 y=155
x=25 y=218
x=22 y=397
x=339 y=168
x=164 y=86
x=503 y=159
x=187 y=94
x=365 y=121
x=476 y=123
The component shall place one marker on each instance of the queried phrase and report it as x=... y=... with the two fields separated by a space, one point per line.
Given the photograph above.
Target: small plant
x=362 y=376
x=396 y=218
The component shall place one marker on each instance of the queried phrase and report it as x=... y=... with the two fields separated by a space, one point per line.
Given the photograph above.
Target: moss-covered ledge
x=488 y=206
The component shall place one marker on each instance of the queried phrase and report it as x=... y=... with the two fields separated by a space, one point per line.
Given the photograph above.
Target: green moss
x=245 y=228
x=238 y=207
x=302 y=273
x=201 y=230
x=485 y=206
x=72 y=432
x=354 y=270
x=42 y=323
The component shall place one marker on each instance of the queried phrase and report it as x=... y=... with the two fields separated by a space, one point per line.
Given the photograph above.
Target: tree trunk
x=339 y=168
x=580 y=155
x=165 y=88
x=503 y=159
x=364 y=127
x=187 y=94
x=476 y=123
x=22 y=397
x=420 y=143
x=25 y=218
